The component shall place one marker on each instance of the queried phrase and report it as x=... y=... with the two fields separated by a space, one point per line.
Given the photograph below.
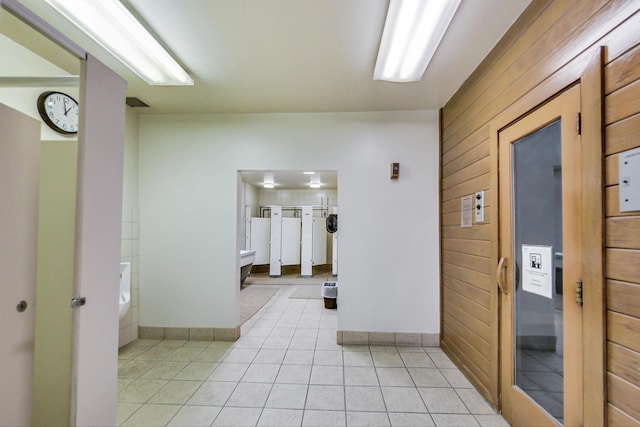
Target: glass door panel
x=537 y=214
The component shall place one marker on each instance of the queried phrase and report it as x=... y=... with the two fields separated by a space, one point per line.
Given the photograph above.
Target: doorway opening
x=283 y=232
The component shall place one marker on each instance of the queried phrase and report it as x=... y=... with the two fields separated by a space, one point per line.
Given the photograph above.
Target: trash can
x=330 y=294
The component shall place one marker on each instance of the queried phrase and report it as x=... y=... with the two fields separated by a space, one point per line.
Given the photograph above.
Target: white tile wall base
x=388 y=338
x=189 y=334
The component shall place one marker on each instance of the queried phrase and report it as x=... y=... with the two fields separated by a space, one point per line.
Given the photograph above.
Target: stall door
x=19 y=157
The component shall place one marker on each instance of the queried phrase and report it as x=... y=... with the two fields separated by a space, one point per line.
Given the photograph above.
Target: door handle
x=502 y=285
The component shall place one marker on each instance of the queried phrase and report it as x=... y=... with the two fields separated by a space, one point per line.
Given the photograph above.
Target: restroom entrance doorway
x=550 y=258
x=283 y=223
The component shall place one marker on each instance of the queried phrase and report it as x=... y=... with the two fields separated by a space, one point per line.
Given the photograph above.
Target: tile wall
x=129 y=252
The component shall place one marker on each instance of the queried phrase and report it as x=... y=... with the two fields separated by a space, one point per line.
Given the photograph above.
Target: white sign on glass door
x=537 y=270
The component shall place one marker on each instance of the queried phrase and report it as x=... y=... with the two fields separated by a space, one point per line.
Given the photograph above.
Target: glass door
x=541 y=344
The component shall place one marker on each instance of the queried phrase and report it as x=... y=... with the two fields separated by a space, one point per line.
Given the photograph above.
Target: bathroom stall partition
x=313 y=245
x=275 y=245
x=334 y=247
x=259 y=236
x=289 y=236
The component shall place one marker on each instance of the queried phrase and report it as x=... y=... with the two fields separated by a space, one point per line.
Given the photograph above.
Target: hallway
x=287 y=370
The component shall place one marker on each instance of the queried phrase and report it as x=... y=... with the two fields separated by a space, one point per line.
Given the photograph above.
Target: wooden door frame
x=565 y=106
x=594 y=326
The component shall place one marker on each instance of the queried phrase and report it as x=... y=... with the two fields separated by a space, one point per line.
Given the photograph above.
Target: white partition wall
x=290 y=245
x=306 y=252
x=275 y=258
x=334 y=247
x=260 y=236
x=319 y=256
x=247 y=227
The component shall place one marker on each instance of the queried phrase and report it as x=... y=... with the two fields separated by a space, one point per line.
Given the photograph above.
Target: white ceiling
x=261 y=56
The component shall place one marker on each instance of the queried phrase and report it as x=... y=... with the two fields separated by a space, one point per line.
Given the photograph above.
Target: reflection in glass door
x=537 y=247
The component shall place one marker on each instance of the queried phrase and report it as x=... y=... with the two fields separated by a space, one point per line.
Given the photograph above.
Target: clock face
x=59 y=111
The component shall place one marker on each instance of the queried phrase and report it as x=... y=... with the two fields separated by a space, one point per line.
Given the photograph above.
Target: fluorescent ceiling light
x=314 y=185
x=412 y=32
x=268 y=185
x=308 y=173
x=112 y=26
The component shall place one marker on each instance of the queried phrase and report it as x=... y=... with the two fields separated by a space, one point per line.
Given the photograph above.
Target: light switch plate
x=478 y=203
x=629 y=180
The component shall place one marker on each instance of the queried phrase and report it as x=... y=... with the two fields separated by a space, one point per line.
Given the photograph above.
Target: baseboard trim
x=189 y=334
x=388 y=338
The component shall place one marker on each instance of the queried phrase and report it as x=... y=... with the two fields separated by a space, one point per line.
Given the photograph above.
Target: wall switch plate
x=478 y=203
x=395 y=170
x=629 y=180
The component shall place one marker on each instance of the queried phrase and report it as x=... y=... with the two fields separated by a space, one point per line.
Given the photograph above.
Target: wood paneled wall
x=622 y=237
x=545 y=51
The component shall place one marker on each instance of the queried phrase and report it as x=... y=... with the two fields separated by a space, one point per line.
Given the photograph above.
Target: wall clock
x=59 y=111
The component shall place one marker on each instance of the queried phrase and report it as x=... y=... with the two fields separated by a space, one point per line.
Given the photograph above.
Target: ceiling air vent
x=134 y=102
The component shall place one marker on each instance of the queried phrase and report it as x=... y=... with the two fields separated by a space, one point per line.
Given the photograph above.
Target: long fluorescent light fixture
x=112 y=26
x=412 y=32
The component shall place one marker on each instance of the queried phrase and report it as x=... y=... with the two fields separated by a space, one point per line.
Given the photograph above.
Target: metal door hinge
x=579 y=124
x=579 y=292
x=78 y=302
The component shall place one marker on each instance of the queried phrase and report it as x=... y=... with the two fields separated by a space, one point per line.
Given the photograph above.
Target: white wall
x=189 y=207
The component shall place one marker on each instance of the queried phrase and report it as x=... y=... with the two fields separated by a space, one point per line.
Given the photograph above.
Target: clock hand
x=64 y=100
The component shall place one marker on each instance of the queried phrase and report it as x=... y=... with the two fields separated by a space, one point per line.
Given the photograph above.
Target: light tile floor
x=287 y=370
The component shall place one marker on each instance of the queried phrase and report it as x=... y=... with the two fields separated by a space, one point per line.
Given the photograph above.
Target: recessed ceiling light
x=268 y=185
x=308 y=173
x=114 y=28
x=314 y=185
x=412 y=32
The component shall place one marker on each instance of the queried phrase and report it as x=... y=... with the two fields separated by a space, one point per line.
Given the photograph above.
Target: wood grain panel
x=617 y=417
x=467 y=187
x=622 y=264
x=534 y=50
x=450 y=152
x=527 y=28
x=623 y=39
x=552 y=48
x=611 y=170
x=471 y=309
x=472 y=247
x=454 y=345
x=623 y=135
x=624 y=395
x=624 y=330
x=479 y=280
x=467 y=332
x=622 y=71
x=474 y=170
x=475 y=294
x=450 y=206
x=623 y=297
x=478 y=359
x=468 y=158
x=624 y=363
x=477 y=232
x=476 y=263
x=622 y=103
x=623 y=232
